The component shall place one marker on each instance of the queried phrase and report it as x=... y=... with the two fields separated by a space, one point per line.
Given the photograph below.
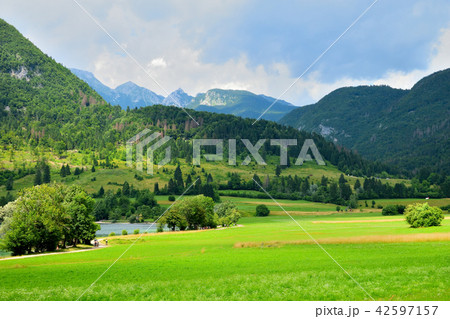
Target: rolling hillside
x=408 y=128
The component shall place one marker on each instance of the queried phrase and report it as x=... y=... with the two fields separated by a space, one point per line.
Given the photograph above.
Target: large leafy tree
x=45 y=216
x=228 y=213
x=191 y=213
x=79 y=208
x=37 y=223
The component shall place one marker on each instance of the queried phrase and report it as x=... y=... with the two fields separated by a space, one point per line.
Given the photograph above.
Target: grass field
x=267 y=258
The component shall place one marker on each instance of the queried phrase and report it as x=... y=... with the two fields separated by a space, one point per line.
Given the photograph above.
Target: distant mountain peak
x=238 y=102
x=178 y=98
x=127 y=94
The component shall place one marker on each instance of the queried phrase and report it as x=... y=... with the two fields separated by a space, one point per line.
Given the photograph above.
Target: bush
x=124 y=232
x=112 y=234
x=390 y=210
x=338 y=208
x=393 y=210
x=401 y=209
x=227 y=213
x=262 y=210
x=423 y=215
x=171 y=198
x=380 y=206
x=136 y=231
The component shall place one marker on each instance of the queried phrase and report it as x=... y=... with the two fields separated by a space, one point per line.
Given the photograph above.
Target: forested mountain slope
x=408 y=128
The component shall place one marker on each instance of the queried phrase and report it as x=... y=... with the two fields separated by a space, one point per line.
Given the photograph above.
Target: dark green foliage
x=423 y=215
x=408 y=128
x=209 y=191
x=171 y=198
x=9 y=183
x=126 y=189
x=390 y=210
x=38 y=177
x=67 y=169
x=178 y=179
x=6 y=199
x=124 y=232
x=42 y=175
x=62 y=172
x=278 y=170
x=446 y=187
x=46 y=177
x=101 y=192
x=262 y=210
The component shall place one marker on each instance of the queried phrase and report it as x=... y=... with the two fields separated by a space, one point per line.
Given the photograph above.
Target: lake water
x=108 y=228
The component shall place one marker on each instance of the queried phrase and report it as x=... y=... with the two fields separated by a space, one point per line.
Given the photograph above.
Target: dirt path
x=55 y=253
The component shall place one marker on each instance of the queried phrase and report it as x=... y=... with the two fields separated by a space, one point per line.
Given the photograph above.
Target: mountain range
x=408 y=128
x=237 y=102
x=43 y=103
x=45 y=107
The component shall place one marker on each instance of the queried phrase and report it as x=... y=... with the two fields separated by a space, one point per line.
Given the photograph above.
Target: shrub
x=401 y=209
x=262 y=210
x=380 y=206
x=423 y=215
x=136 y=231
x=171 y=198
x=338 y=208
x=390 y=210
x=112 y=234
x=124 y=232
x=393 y=210
x=132 y=219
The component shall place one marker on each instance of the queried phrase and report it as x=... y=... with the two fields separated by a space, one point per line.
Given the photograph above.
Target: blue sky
x=261 y=46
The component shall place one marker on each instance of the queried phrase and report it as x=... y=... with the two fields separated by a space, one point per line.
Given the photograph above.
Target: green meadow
x=269 y=258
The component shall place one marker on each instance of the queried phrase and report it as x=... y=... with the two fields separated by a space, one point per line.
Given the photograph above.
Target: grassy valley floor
x=268 y=258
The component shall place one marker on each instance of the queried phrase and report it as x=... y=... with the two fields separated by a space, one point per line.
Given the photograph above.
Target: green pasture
x=269 y=258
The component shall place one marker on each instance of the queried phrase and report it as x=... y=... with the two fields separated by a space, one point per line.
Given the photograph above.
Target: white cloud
x=168 y=38
x=158 y=63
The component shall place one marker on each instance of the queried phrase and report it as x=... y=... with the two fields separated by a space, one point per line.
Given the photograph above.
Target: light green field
x=266 y=259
